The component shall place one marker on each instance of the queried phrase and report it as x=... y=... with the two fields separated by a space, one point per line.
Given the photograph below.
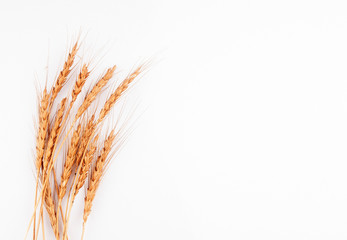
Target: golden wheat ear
x=81 y=80
x=69 y=162
x=50 y=208
x=97 y=173
x=86 y=165
x=54 y=133
x=110 y=102
x=42 y=129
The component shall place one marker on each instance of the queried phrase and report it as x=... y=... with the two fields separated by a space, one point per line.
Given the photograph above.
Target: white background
x=243 y=132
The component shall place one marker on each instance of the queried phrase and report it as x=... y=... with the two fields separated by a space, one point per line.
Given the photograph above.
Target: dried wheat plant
x=66 y=123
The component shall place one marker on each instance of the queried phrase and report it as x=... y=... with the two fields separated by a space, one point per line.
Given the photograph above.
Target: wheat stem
x=43 y=228
x=83 y=230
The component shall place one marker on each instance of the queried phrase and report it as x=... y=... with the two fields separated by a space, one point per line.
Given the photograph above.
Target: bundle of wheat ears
x=73 y=122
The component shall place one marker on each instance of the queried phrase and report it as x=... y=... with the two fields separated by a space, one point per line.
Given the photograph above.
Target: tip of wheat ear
x=81 y=80
x=63 y=75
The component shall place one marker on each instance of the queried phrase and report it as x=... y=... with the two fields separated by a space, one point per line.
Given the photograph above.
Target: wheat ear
x=49 y=204
x=118 y=93
x=97 y=174
x=81 y=80
x=42 y=131
x=41 y=139
x=86 y=164
x=54 y=134
x=69 y=162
